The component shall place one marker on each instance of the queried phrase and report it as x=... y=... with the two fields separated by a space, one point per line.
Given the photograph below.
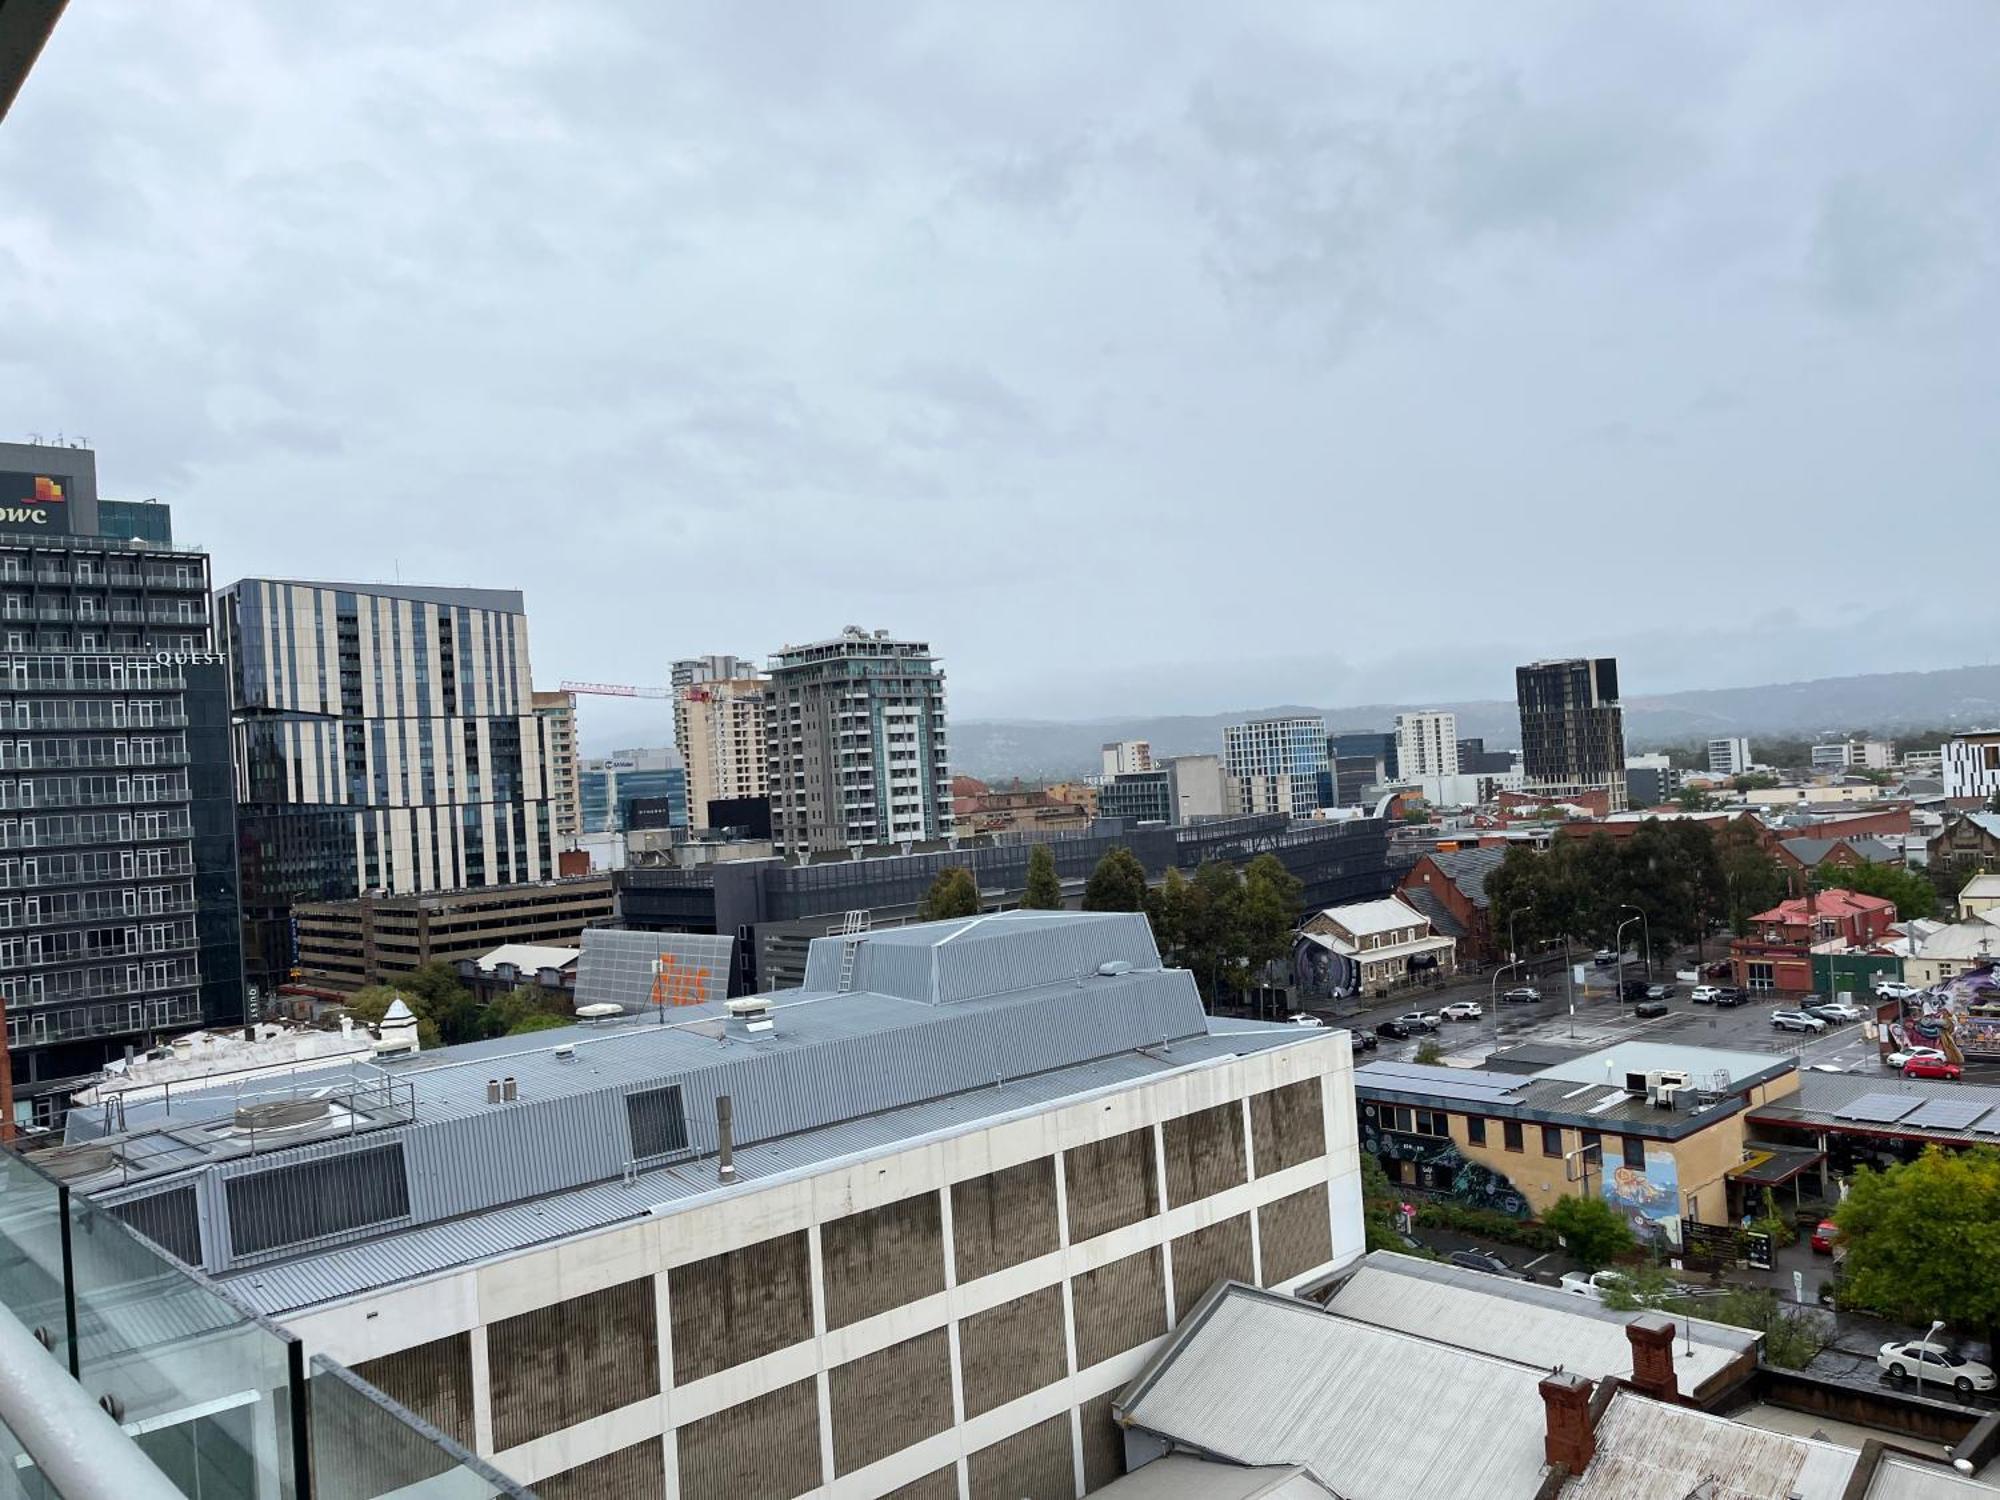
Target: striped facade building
x=385 y=739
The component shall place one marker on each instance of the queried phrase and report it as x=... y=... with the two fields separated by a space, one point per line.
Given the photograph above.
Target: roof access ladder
x=852 y=930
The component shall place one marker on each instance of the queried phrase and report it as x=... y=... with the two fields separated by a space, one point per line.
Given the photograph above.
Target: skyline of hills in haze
x=1967 y=697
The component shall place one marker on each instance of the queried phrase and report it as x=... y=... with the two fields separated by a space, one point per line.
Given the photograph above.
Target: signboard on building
x=35 y=502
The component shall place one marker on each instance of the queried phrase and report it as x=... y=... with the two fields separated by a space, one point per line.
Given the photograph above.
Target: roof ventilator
x=750 y=1015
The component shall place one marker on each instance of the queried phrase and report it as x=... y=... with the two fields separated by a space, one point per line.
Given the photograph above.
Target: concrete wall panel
x=1287 y=1126
x=1204 y=1153
x=883 y=1403
x=738 y=1306
x=1004 y=1218
x=1010 y=1350
x=1221 y=1251
x=1294 y=1234
x=767 y=1447
x=1119 y=1306
x=1111 y=1183
x=1037 y=1463
x=882 y=1258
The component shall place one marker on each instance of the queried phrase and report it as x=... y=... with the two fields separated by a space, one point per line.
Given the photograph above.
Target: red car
x=1931 y=1067
x=1822 y=1238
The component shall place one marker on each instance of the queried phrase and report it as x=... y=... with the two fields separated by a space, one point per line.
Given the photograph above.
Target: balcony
x=123 y=1374
x=163 y=832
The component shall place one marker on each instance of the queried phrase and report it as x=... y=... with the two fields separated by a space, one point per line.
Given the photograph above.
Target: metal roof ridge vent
x=750 y=1015
x=1114 y=966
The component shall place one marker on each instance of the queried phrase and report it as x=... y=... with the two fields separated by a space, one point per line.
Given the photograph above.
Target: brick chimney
x=1570 y=1439
x=1652 y=1338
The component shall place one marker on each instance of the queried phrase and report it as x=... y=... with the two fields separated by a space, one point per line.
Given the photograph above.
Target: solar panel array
x=1948 y=1114
x=1879 y=1109
x=640 y=969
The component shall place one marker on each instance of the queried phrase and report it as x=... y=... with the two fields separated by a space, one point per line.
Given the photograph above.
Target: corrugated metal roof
x=1822 y=1096
x=306 y=1280
x=1267 y=1380
x=1647 y=1450
x=945 y=963
x=1514 y=1320
x=1899 y=1478
x=1180 y=1476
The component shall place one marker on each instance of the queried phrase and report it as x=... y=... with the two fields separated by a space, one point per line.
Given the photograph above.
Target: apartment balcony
x=162 y=833
x=105 y=1339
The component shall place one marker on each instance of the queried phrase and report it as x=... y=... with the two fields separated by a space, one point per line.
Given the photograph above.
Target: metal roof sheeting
x=1266 y=1380
x=1513 y=1320
x=1647 y=1450
x=1180 y=1476
x=945 y=963
x=1899 y=1478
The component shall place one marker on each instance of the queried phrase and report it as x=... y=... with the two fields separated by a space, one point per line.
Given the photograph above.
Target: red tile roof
x=1829 y=903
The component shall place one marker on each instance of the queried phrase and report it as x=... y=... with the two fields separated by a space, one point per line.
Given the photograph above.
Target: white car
x=1593 y=1284
x=1462 y=1010
x=1894 y=990
x=1421 y=1020
x=1302 y=1019
x=1934 y=1362
x=1796 y=1020
x=1903 y=1055
x=1704 y=994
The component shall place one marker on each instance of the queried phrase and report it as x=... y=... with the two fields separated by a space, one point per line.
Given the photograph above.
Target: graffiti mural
x=1442 y=1169
x=1319 y=971
x=1965 y=1008
x=1650 y=1200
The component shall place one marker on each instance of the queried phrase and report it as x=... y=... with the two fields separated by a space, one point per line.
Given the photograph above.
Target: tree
x=1594 y=1233
x=1912 y=892
x=1752 y=879
x=525 y=1008
x=1117 y=884
x=1044 y=889
x=1212 y=930
x=1756 y=781
x=1166 y=908
x=1923 y=1238
x=953 y=894
x=369 y=1004
x=1270 y=910
x=1695 y=799
x=1429 y=1053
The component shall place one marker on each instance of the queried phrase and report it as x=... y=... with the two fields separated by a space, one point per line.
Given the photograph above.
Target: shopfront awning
x=1771 y=1165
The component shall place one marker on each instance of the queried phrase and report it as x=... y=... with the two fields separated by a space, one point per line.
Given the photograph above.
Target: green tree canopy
x=953 y=894
x=1044 y=889
x=369 y=1004
x=1695 y=799
x=1752 y=878
x=1594 y=1233
x=1117 y=884
x=527 y=1007
x=1912 y=892
x=1923 y=1238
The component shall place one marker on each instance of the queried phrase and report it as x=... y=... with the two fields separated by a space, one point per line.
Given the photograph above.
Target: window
x=1552 y=1140
x=1510 y=1134
x=1592 y=1144
x=1433 y=1122
x=1475 y=1130
x=1635 y=1154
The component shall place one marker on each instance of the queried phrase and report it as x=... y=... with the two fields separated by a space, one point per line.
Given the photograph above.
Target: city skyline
x=1645 y=273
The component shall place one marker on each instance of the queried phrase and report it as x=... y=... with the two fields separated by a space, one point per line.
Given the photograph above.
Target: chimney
x=1569 y=1440
x=725 y=1137
x=492 y=1091
x=509 y=1090
x=1652 y=1338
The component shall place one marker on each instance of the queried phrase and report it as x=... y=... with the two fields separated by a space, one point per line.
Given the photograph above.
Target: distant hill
x=1967 y=696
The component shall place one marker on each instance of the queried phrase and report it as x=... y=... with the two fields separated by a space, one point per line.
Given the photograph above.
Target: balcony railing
x=113 y=1355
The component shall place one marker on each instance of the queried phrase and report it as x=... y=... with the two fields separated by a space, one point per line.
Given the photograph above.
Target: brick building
x=1968 y=843
x=1777 y=953
x=1450 y=889
x=966 y=1197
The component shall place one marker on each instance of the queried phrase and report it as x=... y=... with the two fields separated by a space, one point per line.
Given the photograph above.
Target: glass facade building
x=118 y=884
x=1572 y=728
x=608 y=785
x=1138 y=797
x=1277 y=763
x=385 y=739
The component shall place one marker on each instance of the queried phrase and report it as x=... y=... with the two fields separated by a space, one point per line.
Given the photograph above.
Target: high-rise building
x=690 y=670
x=1572 y=729
x=1125 y=757
x=608 y=785
x=724 y=749
x=1971 y=765
x=1357 y=760
x=118 y=889
x=1427 y=744
x=555 y=719
x=1650 y=780
x=1729 y=756
x=386 y=739
x=854 y=740
x=1275 y=764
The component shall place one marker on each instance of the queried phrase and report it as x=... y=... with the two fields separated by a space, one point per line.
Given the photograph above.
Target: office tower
x=608 y=785
x=1474 y=759
x=1275 y=764
x=724 y=727
x=1650 y=780
x=118 y=890
x=555 y=720
x=386 y=740
x=1572 y=729
x=1358 y=759
x=1127 y=757
x=1729 y=757
x=854 y=741
x=1427 y=744
x=690 y=670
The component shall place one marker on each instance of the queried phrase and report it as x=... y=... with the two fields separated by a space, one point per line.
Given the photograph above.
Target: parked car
x=1837 y=1012
x=1687 y=976
x=1463 y=1010
x=1796 y=1020
x=1729 y=997
x=1303 y=1019
x=1651 y=1008
x=1822 y=1238
x=1365 y=1040
x=1932 y=1067
x=1604 y=958
x=1525 y=994
x=1717 y=970
x=1703 y=994
x=1591 y=1284
x=1895 y=989
x=1902 y=1055
x=1662 y=991
x=1934 y=1362
x=1421 y=1020
x=1482 y=1260
x=1635 y=989
x=1395 y=1031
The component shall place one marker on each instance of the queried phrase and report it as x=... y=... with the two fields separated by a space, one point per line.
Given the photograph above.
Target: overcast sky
x=1140 y=357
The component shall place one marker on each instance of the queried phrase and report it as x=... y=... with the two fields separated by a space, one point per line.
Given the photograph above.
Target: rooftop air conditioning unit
x=1664 y=1094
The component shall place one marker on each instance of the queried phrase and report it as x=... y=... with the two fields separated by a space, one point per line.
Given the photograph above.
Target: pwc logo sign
x=34 y=502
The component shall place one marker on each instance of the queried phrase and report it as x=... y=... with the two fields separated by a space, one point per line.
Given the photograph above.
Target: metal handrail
x=84 y=1453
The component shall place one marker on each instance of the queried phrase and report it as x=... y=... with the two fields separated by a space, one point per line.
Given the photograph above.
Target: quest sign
x=34 y=502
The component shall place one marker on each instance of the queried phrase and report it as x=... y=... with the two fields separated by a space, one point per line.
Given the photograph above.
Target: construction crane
x=617 y=690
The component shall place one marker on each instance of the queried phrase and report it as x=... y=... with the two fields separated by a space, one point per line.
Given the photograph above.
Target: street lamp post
x=1919 y=1362
x=1646 y=927
x=1618 y=945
